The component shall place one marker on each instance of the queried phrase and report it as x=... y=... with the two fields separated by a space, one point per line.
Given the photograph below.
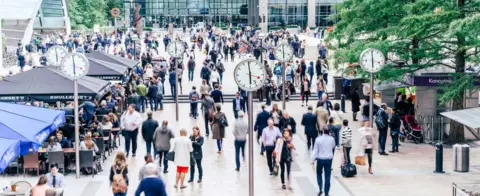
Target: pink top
x=39 y=190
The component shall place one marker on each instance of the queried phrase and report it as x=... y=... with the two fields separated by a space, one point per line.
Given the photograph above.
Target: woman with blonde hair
x=119 y=175
x=182 y=147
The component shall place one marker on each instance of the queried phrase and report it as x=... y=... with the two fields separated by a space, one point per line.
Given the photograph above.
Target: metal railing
x=433 y=127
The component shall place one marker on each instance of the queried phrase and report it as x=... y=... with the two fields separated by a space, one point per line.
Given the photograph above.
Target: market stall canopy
x=9 y=150
x=49 y=85
x=106 y=70
x=468 y=117
x=112 y=59
x=387 y=85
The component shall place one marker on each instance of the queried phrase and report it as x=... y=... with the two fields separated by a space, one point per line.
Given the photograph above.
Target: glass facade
x=287 y=12
x=323 y=8
x=181 y=12
x=52 y=8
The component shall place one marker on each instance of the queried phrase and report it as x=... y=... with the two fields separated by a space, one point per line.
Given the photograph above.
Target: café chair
x=23 y=187
x=109 y=146
x=101 y=147
x=57 y=158
x=86 y=160
x=14 y=164
x=30 y=161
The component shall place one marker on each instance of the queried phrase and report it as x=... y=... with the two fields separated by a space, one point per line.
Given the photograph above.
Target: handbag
x=379 y=120
x=275 y=170
x=360 y=160
x=170 y=156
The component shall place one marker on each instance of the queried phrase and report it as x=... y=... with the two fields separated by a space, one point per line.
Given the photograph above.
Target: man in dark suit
x=260 y=124
x=238 y=104
x=152 y=94
x=148 y=129
x=309 y=120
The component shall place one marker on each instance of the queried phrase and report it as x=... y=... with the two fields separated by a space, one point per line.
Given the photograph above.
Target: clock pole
x=370 y=67
x=284 y=106
x=250 y=146
x=77 y=128
x=176 y=88
x=370 y=109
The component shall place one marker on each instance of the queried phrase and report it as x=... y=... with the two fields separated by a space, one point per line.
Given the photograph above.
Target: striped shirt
x=347 y=137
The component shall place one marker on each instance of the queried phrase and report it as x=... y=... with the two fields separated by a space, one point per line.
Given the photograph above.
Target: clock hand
x=74 y=67
x=56 y=55
x=372 y=57
x=249 y=73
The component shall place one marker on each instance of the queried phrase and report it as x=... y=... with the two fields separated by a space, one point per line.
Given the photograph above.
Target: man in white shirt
x=131 y=120
x=270 y=134
x=323 y=154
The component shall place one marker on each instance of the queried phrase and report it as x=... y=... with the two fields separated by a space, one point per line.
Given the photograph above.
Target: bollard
x=439 y=158
x=342 y=103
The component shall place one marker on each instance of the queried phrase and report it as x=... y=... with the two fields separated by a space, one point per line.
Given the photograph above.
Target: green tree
x=86 y=13
x=110 y=5
x=418 y=33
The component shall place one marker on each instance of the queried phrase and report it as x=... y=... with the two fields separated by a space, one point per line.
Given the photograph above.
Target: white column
x=311 y=13
x=1 y=45
x=263 y=11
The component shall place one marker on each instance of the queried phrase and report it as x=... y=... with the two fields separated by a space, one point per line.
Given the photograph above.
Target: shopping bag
x=360 y=160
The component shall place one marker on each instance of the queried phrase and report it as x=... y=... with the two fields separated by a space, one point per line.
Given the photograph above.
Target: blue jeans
x=382 y=139
x=143 y=103
x=221 y=77
x=239 y=147
x=219 y=144
x=149 y=148
x=205 y=118
x=131 y=136
x=163 y=155
x=336 y=131
x=190 y=74
x=319 y=95
x=324 y=165
x=310 y=81
x=325 y=78
x=172 y=89
x=159 y=101
x=153 y=103
x=395 y=142
x=193 y=109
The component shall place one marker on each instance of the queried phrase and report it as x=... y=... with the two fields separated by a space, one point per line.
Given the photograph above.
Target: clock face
x=75 y=65
x=283 y=52
x=250 y=75
x=372 y=60
x=176 y=49
x=55 y=55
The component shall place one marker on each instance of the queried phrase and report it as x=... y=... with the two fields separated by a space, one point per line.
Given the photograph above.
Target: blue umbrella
x=27 y=123
x=9 y=150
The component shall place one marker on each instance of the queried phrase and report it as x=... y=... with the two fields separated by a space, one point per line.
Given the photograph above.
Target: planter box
x=466 y=190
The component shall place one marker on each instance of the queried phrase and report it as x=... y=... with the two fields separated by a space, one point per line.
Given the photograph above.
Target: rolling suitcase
x=348 y=169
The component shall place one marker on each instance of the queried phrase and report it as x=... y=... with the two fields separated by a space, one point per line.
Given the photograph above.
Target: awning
x=468 y=117
x=387 y=85
x=113 y=59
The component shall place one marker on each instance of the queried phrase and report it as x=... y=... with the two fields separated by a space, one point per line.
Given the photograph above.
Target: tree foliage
x=87 y=13
x=416 y=33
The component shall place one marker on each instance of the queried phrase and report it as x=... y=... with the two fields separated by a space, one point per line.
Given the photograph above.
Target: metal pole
x=250 y=146
x=370 y=109
x=115 y=23
x=77 y=129
x=1 y=45
x=176 y=88
x=284 y=106
x=134 y=50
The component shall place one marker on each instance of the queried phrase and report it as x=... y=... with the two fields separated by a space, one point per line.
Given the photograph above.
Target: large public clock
x=75 y=65
x=250 y=75
x=55 y=55
x=283 y=52
x=372 y=60
x=176 y=49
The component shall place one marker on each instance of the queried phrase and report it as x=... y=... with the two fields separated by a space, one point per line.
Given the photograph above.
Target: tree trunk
x=415 y=59
x=457 y=131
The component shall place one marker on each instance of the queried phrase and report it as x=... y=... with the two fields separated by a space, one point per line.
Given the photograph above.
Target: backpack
x=119 y=184
x=278 y=70
x=379 y=121
x=222 y=121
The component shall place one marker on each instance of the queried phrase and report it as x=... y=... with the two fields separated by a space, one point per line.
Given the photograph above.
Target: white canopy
x=468 y=117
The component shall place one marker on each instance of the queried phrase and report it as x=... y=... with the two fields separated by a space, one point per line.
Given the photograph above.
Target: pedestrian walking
x=338 y=118
x=305 y=90
x=162 y=137
x=309 y=120
x=152 y=96
x=284 y=156
x=320 y=88
x=207 y=109
x=151 y=185
x=194 y=97
x=119 y=175
x=276 y=115
x=197 y=154
x=260 y=123
x=355 y=104
x=148 y=129
x=270 y=134
x=322 y=115
x=366 y=143
x=288 y=122
x=130 y=121
x=142 y=92
x=219 y=122
x=238 y=104
x=323 y=155
x=381 y=119
x=182 y=147
x=240 y=134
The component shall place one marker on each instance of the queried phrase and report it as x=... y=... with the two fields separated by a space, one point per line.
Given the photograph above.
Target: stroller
x=411 y=129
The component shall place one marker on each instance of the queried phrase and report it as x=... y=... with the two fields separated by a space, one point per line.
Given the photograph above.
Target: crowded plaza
x=239 y=105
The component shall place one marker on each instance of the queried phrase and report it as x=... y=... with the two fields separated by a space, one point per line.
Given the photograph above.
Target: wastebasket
x=461 y=157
